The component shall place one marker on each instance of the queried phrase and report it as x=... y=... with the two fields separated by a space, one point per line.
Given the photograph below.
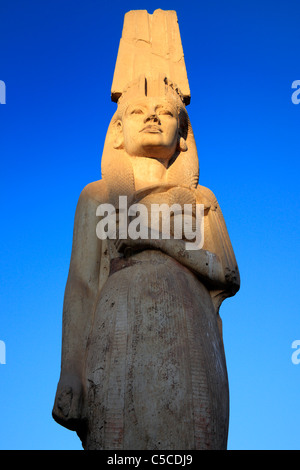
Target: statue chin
x=155 y=152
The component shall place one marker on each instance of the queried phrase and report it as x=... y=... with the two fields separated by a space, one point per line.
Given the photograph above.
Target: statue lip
x=152 y=129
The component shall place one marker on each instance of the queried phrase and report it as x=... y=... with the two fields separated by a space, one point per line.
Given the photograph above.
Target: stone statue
x=143 y=363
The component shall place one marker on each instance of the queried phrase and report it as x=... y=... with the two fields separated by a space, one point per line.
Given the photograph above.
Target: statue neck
x=148 y=171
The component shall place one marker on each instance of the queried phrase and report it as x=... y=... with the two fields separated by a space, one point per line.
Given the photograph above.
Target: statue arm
x=79 y=301
x=217 y=241
x=215 y=263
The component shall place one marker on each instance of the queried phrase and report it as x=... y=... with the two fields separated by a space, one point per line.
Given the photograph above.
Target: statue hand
x=136 y=245
x=68 y=402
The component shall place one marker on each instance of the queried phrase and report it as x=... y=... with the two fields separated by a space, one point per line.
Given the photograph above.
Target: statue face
x=150 y=128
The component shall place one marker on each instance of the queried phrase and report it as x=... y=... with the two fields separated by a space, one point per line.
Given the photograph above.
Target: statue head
x=151 y=122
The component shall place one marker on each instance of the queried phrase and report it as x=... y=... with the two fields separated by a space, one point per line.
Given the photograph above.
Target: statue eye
x=137 y=111
x=165 y=112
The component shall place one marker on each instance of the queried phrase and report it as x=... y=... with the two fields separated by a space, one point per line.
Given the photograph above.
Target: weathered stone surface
x=143 y=363
x=150 y=45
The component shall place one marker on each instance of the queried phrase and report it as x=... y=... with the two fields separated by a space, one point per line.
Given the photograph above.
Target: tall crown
x=150 y=57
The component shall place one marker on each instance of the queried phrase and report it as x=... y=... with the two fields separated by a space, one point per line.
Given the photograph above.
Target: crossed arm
x=215 y=263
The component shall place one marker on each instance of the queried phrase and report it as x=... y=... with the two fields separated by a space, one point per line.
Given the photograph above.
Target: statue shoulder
x=91 y=197
x=206 y=196
x=94 y=193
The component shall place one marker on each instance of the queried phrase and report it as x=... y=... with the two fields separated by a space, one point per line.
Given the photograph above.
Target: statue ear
x=182 y=145
x=118 y=135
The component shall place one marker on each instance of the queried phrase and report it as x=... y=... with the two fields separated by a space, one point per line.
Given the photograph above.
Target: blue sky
x=57 y=61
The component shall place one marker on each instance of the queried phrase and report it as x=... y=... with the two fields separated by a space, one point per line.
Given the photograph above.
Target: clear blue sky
x=57 y=59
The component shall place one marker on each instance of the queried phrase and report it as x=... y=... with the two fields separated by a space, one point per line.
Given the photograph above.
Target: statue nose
x=152 y=117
